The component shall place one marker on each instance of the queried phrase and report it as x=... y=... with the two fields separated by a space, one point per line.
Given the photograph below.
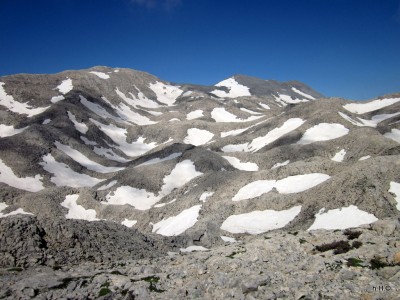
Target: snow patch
x=158 y=160
x=361 y=108
x=139 y=100
x=85 y=161
x=76 y=211
x=257 y=222
x=394 y=135
x=129 y=223
x=195 y=114
x=235 y=89
x=18 y=107
x=282 y=164
x=342 y=218
x=31 y=184
x=166 y=93
x=197 y=136
x=323 y=132
x=235 y=162
x=395 y=189
x=219 y=114
x=178 y=224
x=100 y=74
x=265 y=106
x=65 y=86
x=194 y=248
x=46 y=121
x=285 y=99
x=56 y=99
x=65 y=176
x=81 y=127
x=228 y=239
x=18 y=211
x=6 y=130
x=364 y=157
x=235 y=148
x=339 y=156
x=205 y=195
x=302 y=93
x=250 y=111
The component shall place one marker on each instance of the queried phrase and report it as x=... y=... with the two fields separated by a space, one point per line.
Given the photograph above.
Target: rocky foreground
x=362 y=263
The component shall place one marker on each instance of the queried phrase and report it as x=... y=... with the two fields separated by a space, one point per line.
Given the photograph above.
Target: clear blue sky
x=346 y=48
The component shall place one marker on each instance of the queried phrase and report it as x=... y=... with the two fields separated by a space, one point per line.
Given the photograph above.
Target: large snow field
x=76 y=211
x=323 y=132
x=31 y=184
x=257 y=222
x=235 y=162
x=18 y=107
x=166 y=93
x=178 y=224
x=65 y=176
x=6 y=130
x=235 y=89
x=342 y=218
x=85 y=161
x=197 y=136
x=362 y=108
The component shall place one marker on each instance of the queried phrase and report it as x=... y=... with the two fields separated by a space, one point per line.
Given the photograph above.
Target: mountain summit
x=111 y=164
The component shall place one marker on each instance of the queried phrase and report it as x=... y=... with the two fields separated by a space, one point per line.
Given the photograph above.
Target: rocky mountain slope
x=104 y=165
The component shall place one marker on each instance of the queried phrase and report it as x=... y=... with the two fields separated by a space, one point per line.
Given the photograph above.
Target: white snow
x=250 y=111
x=142 y=199
x=18 y=211
x=375 y=120
x=219 y=114
x=228 y=239
x=100 y=74
x=65 y=176
x=235 y=89
x=275 y=134
x=300 y=183
x=187 y=93
x=85 y=161
x=98 y=109
x=395 y=189
x=233 y=132
x=302 y=93
x=265 y=106
x=339 y=156
x=166 y=93
x=235 y=162
x=107 y=186
x=81 y=127
x=174 y=120
x=65 y=86
x=205 y=195
x=154 y=113
x=235 y=148
x=31 y=184
x=364 y=157
x=342 y=218
x=195 y=114
x=163 y=204
x=194 y=248
x=118 y=135
x=282 y=164
x=158 y=160
x=18 y=107
x=323 y=132
x=130 y=116
x=394 y=135
x=56 y=99
x=6 y=130
x=129 y=223
x=178 y=224
x=197 y=136
x=46 y=121
x=361 y=108
x=139 y=100
x=288 y=185
x=257 y=222
x=254 y=189
x=76 y=211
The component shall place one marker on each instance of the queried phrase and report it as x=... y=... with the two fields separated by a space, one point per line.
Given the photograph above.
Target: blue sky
x=345 y=48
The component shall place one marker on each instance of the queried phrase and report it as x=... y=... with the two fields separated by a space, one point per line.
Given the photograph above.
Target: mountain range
x=111 y=164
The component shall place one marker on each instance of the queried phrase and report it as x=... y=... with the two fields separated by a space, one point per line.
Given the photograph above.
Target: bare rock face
x=110 y=178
